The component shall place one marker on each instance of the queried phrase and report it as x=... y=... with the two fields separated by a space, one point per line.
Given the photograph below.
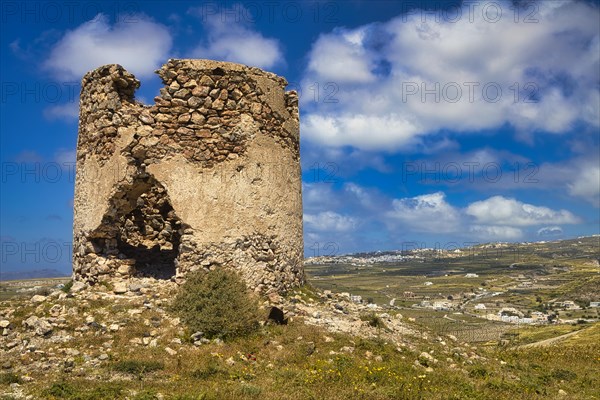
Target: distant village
x=479 y=302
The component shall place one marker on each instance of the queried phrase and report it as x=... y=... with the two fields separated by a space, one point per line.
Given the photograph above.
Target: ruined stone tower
x=207 y=177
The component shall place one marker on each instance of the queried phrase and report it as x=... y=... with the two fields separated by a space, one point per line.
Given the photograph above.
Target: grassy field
x=523 y=276
x=306 y=362
x=299 y=361
x=27 y=287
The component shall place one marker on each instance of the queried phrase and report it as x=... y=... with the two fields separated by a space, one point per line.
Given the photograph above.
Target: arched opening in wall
x=142 y=230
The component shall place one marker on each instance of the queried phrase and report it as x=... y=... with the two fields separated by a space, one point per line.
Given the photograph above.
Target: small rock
x=135 y=287
x=72 y=352
x=77 y=286
x=170 y=351
x=230 y=361
x=195 y=102
x=103 y=357
x=114 y=327
x=38 y=299
x=124 y=269
x=425 y=359
x=120 y=288
x=4 y=323
x=347 y=349
x=562 y=393
x=274 y=298
x=39 y=325
x=55 y=310
x=146 y=118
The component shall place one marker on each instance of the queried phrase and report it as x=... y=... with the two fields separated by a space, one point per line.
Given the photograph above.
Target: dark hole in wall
x=144 y=229
x=218 y=71
x=149 y=234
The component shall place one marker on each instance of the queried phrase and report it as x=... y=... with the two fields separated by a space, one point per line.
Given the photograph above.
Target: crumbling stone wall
x=207 y=177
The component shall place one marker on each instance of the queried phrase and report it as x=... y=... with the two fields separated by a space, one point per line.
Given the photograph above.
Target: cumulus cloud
x=233 y=39
x=407 y=78
x=495 y=232
x=329 y=221
x=496 y=218
x=550 y=231
x=499 y=210
x=67 y=111
x=138 y=43
x=426 y=213
x=586 y=182
x=343 y=60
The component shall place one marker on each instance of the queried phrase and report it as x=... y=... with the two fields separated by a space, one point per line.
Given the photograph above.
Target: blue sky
x=423 y=123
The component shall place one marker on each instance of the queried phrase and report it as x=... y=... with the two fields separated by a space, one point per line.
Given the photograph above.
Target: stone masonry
x=206 y=177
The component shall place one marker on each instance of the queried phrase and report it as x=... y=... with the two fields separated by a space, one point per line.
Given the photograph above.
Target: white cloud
x=317 y=197
x=138 y=44
x=550 y=231
x=329 y=221
x=65 y=156
x=426 y=213
x=495 y=232
x=496 y=218
x=378 y=65
x=67 y=111
x=580 y=176
x=586 y=182
x=235 y=41
x=500 y=210
x=28 y=156
x=341 y=58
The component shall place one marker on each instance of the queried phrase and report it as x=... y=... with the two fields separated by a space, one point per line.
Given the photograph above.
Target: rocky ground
x=82 y=332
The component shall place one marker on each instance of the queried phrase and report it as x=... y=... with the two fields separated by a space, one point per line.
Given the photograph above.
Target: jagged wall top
x=198 y=114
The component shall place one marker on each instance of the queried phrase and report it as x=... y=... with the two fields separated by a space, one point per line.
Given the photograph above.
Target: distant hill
x=32 y=274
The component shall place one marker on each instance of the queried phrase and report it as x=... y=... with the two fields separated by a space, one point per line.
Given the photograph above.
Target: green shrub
x=201 y=396
x=60 y=390
x=373 y=320
x=67 y=287
x=478 y=372
x=146 y=395
x=8 y=378
x=106 y=391
x=78 y=391
x=44 y=291
x=137 y=367
x=208 y=371
x=216 y=303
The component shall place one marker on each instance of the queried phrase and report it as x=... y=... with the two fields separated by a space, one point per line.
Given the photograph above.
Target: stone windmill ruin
x=207 y=177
